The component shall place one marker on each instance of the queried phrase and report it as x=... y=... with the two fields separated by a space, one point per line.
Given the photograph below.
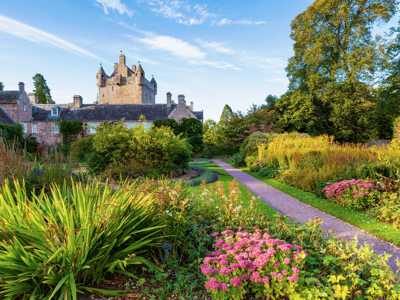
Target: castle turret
x=154 y=84
x=122 y=59
x=101 y=77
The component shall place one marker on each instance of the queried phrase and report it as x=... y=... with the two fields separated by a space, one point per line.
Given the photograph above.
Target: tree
x=42 y=91
x=389 y=92
x=1 y=86
x=333 y=68
x=227 y=114
x=271 y=101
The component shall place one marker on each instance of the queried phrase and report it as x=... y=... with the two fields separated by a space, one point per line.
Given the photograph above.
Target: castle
x=125 y=85
x=126 y=95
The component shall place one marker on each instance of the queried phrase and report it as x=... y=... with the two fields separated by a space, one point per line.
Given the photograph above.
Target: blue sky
x=215 y=52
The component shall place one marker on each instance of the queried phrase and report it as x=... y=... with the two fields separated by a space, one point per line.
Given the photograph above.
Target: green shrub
x=82 y=149
x=66 y=242
x=237 y=160
x=253 y=141
x=11 y=134
x=119 y=151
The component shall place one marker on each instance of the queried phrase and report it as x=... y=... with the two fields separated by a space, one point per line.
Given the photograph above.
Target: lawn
x=362 y=220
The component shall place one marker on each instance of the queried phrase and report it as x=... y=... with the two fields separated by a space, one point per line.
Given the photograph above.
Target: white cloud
x=30 y=33
x=190 y=53
x=226 y=21
x=172 y=45
x=180 y=11
x=116 y=5
x=215 y=46
x=185 y=13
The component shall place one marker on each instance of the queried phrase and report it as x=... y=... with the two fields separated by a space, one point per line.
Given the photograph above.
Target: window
x=55 y=129
x=54 y=111
x=25 y=108
x=34 y=129
x=25 y=127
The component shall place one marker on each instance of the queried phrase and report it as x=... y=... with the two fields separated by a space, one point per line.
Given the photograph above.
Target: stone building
x=125 y=85
x=42 y=120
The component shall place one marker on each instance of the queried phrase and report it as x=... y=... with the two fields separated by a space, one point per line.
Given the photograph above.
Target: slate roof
x=4 y=118
x=104 y=113
x=9 y=96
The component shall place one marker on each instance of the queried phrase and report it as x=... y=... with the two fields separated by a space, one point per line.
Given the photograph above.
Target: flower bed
x=245 y=263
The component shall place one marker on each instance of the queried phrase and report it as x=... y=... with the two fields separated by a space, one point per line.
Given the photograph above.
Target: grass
x=361 y=220
x=225 y=178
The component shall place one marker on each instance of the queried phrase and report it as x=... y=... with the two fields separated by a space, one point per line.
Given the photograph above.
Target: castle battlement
x=125 y=85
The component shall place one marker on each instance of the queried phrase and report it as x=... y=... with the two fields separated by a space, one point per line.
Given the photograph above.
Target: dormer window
x=54 y=111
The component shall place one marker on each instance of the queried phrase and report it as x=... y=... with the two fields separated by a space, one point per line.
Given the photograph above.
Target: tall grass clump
x=308 y=162
x=12 y=162
x=58 y=244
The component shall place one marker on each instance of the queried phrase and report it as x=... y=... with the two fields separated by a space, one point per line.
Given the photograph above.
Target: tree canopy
x=334 y=67
x=41 y=90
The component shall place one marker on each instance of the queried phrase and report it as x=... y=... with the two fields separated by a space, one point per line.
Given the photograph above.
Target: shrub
x=119 y=151
x=252 y=263
x=355 y=193
x=82 y=149
x=11 y=134
x=307 y=162
x=59 y=244
x=253 y=141
x=238 y=160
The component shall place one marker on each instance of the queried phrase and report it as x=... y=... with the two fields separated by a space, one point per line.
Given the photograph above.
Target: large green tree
x=389 y=92
x=42 y=91
x=333 y=69
x=1 y=86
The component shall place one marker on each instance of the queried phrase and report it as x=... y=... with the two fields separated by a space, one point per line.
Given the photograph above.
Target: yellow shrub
x=306 y=161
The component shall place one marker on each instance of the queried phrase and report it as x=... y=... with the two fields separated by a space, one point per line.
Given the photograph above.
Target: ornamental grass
x=58 y=244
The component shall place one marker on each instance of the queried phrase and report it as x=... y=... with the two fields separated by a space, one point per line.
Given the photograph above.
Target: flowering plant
x=356 y=193
x=254 y=264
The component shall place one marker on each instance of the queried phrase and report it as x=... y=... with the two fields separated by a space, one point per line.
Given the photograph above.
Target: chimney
x=191 y=105
x=115 y=66
x=169 y=99
x=77 y=101
x=32 y=97
x=21 y=87
x=181 y=101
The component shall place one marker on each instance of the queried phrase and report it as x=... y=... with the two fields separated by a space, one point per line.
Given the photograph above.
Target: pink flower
x=293 y=278
x=207 y=270
x=223 y=286
x=225 y=271
x=235 y=281
x=286 y=261
x=255 y=277
x=212 y=284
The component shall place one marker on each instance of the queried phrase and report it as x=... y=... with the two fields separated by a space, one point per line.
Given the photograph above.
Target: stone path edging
x=301 y=212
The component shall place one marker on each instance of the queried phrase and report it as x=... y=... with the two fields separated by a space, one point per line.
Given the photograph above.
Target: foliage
x=255 y=263
x=119 y=151
x=396 y=133
x=192 y=130
x=12 y=162
x=309 y=162
x=70 y=129
x=82 y=149
x=189 y=128
x=354 y=193
x=65 y=242
x=1 y=86
x=41 y=90
x=171 y=123
x=11 y=134
x=333 y=69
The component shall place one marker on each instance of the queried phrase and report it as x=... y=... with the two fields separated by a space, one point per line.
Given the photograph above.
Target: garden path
x=301 y=212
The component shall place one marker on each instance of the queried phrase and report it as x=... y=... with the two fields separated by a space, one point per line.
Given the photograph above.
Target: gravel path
x=301 y=212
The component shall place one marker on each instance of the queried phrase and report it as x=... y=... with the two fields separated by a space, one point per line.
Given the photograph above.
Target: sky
x=216 y=52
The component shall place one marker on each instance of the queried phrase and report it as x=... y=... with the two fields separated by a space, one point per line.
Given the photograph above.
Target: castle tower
x=125 y=85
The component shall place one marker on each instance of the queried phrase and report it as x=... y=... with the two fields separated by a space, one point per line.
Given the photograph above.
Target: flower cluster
x=359 y=188
x=246 y=262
